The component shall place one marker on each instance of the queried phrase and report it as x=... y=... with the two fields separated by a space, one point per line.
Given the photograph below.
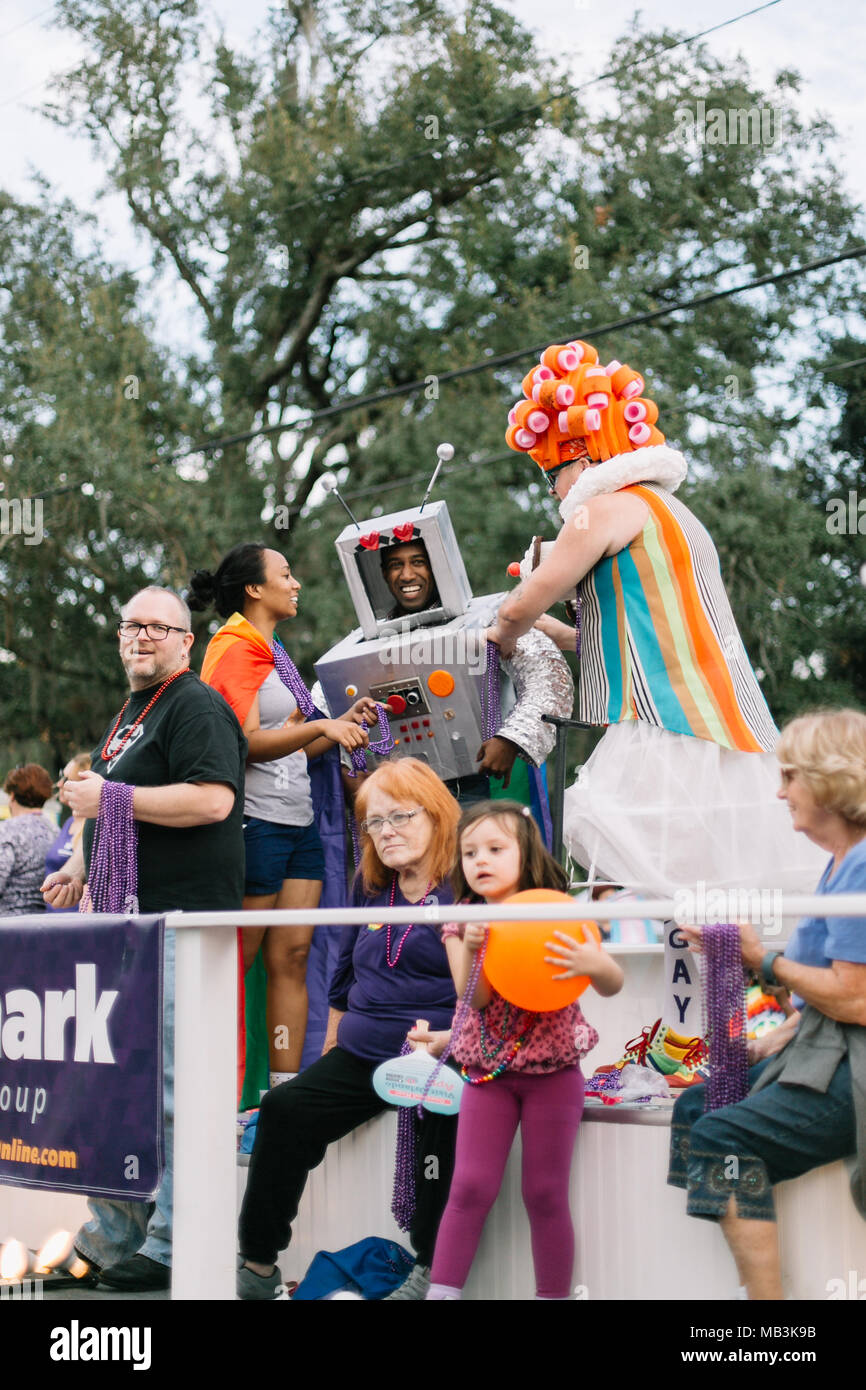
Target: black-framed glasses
x=397 y=819
x=157 y=632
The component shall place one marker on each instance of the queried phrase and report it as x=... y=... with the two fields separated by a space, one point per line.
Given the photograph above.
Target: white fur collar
x=656 y=464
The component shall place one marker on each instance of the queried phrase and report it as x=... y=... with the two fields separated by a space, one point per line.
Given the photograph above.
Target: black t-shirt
x=190 y=735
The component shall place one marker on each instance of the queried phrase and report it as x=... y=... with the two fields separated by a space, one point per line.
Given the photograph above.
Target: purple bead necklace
x=725 y=1016
x=403 y=1200
x=391 y=963
x=382 y=746
x=491 y=714
x=113 y=881
x=291 y=678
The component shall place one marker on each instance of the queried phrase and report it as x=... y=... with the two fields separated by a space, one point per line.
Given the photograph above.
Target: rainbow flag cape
x=237 y=660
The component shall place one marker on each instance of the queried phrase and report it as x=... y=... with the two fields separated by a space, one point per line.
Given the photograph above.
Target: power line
x=504 y=358
x=25 y=22
x=336 y=189
x=412 y=159
x=507 y=358
x=502 y=120
x=691 y=407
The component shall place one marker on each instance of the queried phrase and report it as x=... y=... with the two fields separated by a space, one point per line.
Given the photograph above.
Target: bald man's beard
x=154 y=672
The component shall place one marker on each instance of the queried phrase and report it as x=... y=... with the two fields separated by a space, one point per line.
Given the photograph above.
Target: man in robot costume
x=425 y=657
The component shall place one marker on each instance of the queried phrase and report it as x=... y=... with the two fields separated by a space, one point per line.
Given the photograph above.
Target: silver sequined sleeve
x=542 y=685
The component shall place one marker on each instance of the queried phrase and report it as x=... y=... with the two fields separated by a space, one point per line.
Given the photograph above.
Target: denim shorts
x=741 y=1150
x=277 y=852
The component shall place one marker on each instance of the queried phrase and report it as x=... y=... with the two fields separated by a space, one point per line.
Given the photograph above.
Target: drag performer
x=681 y=788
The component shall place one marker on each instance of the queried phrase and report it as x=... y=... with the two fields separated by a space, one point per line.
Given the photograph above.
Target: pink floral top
x=484 y=1038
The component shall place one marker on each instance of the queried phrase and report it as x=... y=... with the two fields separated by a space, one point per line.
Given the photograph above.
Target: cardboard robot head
x=362 y=548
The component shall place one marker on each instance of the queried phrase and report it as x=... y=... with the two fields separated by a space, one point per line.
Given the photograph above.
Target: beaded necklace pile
x=725 y=1016
x=112 y=885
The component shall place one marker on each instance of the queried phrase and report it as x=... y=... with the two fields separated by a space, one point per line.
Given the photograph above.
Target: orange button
x=440 y=683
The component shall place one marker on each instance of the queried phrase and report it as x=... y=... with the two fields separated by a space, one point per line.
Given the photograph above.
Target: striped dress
x=659 y=642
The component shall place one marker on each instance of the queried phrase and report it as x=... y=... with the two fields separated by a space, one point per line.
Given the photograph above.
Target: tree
x=384 y=194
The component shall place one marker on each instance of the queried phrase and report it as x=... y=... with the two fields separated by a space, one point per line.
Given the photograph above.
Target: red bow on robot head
x=575 y=408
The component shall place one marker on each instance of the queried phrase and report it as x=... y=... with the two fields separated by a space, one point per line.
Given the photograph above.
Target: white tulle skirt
x=660 y=812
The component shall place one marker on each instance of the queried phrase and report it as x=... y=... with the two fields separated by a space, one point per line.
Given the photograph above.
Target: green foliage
x=377 y=195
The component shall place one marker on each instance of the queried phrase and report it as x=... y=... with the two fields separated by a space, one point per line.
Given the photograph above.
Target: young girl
x=522 y=1068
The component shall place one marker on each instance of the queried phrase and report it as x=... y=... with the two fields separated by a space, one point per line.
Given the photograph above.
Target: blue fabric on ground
x=373 y=1267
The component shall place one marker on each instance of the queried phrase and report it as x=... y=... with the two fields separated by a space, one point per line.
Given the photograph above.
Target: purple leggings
x=548 y=1110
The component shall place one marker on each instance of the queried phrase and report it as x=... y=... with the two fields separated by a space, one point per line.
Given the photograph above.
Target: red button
x=404 y=728
x=415 y=724
x=426 y=723
x=396 y=703
x=419 y=737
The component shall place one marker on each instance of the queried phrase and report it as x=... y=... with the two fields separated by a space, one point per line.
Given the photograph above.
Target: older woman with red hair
x=24 y=841
x=386 y=977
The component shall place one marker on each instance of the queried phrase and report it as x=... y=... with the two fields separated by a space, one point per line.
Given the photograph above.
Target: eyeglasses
x=157 y=632
x=552 y=477
x=397 y=819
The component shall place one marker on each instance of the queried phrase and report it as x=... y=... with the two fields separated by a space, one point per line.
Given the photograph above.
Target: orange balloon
x=514 y=963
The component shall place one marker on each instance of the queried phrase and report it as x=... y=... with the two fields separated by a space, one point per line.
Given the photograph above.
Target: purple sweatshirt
x=381 y=1004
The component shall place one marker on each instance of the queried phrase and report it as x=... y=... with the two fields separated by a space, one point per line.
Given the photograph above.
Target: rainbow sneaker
x=681 y=1060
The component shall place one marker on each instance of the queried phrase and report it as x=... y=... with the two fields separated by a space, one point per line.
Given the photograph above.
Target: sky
x=821 y=41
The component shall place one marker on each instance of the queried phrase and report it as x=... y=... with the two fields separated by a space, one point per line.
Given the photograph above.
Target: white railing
x=204 y=1238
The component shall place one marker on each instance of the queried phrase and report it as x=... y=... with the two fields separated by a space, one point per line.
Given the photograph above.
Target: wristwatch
x=768 y=974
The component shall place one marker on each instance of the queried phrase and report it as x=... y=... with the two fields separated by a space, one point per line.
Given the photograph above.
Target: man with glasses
x=177 y=742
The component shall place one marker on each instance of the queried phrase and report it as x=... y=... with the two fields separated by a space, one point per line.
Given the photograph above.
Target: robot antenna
x=329 y=483
x=444 y=454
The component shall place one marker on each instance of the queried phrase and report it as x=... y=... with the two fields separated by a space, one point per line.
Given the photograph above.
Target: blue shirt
x=380 y=1002
x=821 y=940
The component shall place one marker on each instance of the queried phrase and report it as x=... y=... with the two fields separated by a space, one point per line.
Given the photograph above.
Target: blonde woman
x=807 y=1103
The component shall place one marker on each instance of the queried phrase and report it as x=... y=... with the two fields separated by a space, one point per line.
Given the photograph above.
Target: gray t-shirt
x=279 y=790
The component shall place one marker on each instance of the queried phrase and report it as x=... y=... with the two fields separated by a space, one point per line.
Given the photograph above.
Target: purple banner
x=81 y=1054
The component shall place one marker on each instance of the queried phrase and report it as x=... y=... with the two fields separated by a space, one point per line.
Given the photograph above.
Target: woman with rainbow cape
x=254 y=589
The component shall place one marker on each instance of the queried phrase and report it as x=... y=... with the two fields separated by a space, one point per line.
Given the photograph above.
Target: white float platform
x=633 y=1234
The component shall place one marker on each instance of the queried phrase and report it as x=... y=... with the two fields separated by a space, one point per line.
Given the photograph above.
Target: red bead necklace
x=106 y=756
x=391 y=963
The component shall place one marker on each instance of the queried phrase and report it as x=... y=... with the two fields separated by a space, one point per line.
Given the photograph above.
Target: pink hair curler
x=538 y=421
x=639 y=434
